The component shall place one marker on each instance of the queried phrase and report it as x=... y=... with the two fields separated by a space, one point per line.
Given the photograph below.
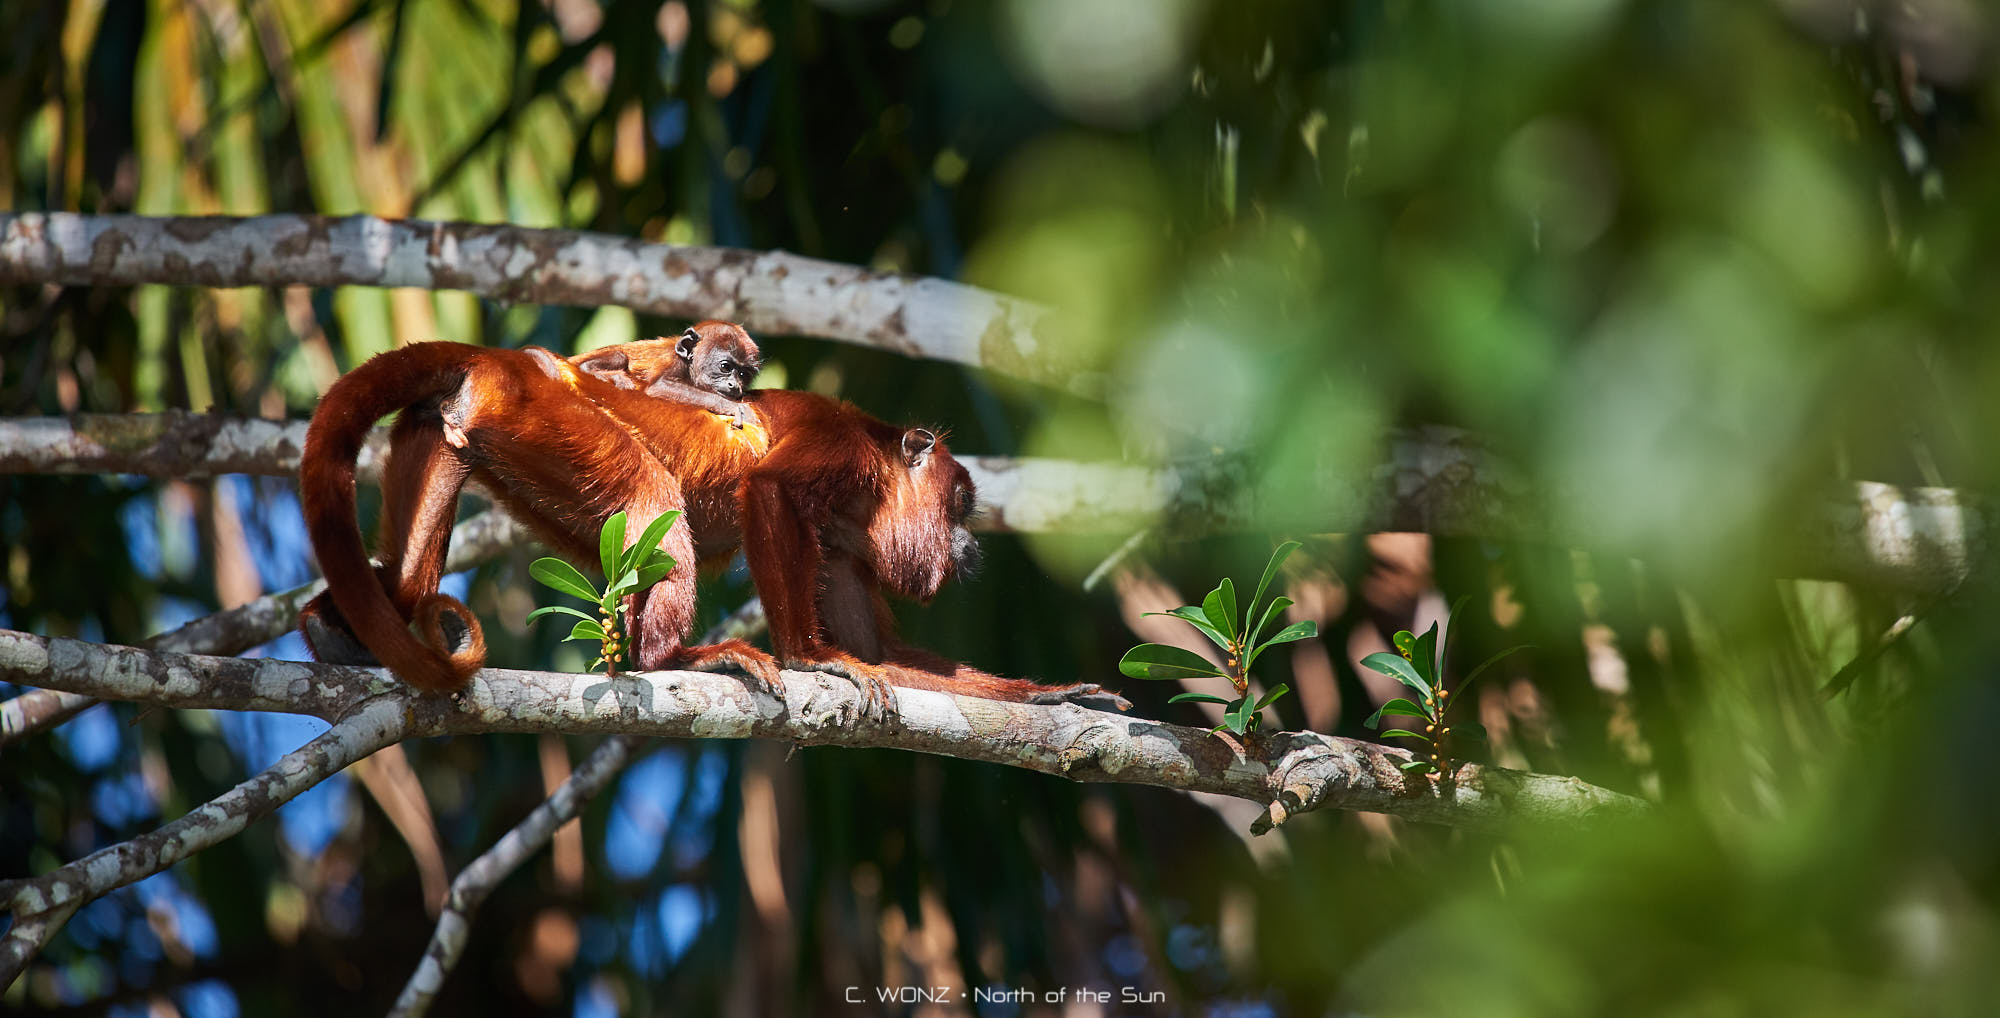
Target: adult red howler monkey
x=711 y=366
x=839 y=507
x=553 y=460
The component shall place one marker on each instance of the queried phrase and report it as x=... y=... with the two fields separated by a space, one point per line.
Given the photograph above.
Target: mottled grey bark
x=1433 y=480
x=766 y=291
x=1288 y=772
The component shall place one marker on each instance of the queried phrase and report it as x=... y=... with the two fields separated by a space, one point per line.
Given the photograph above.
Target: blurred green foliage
x=1690 y=264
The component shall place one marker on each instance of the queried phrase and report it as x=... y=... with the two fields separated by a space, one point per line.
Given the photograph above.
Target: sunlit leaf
x=588 y=629
x=1404 y=641
x=1159 y=661
x=624 y=584
x=1417 y=767
x=1423 y=654
x=653 y=573
x=1194 y=616
x=1220 y=607
x=560 y=575
x=1271 y=611
x=1271 y=697
x=557 y=609
x=649 y=539
x=1199 y=698
x=1404 y=733
x=1278 y=555
x=1396 y=668
x=611 y=544
x=1296 y=631
x=1398 y=706
x=1237 y=722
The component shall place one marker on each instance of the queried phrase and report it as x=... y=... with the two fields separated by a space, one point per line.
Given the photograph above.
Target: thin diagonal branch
x=470 y=889
x=40 y=904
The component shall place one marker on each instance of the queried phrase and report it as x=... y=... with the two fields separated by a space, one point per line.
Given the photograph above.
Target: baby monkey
x=710 y=366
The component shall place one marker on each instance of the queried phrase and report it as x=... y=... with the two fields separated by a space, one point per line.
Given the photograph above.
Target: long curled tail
x=386 y=383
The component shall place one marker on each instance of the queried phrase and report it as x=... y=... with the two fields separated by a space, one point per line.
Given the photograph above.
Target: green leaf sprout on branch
x=1419 y=664
x=1217 y=619
x=626 y=571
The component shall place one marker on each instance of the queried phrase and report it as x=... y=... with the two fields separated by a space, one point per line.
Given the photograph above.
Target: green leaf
x=560 y=575
x=1159 y=661
x=1417 y=766
x=1271 y=611
x=1238 y=723
x=1488 y=663
x=615 y=589
x=557 y=609
x=588 y=629
x=1424 y=655
x=1400 y=706
x=1472 y=730
x=653 y=572
x=1405 y=642
x=1278 y=555
x=1404 y=733
x=1268 y=698
x=649 y=539
x=1220 y=607
x=1193 y=616
x=1199 y=698
x=611 y=544
x=1295 y=631
x=1396 y=668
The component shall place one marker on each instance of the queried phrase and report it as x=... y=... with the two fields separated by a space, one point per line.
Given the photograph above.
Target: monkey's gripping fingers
x=1085 y=694
x=743 y=417
x=878 y=702
x=735 y=656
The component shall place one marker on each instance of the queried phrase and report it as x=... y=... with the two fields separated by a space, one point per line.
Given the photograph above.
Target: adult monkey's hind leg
x=563 y=467
x=421 y=479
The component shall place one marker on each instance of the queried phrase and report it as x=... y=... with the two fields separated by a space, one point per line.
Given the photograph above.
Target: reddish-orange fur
x=711 y=366
x=554 y=460
x=841 y=507
x=832 y=506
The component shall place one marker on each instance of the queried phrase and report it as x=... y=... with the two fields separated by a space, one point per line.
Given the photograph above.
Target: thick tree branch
x=768 y=292
x=1434 y=480
x=235 y=630
x=1289 y=772
x=819 y=709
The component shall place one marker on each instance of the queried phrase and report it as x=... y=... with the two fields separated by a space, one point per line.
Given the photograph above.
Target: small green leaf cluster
x=627 y=571
x=1217 y=620
x=1419 y=664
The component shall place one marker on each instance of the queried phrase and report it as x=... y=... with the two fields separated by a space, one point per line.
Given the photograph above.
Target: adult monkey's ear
x=686 y=344
x=917 y=443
